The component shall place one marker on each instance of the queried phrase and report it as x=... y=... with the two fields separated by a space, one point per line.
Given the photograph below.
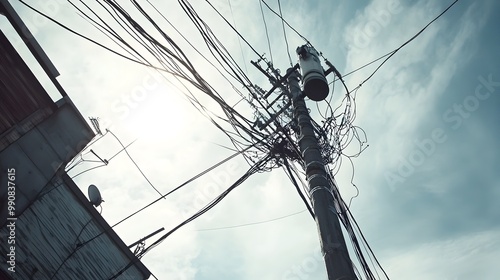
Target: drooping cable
x=254 y=223
x=253 y=169
x=290 y=175
x=406 y=43
x=82 y=244
x=172 y=191
x=133 y=161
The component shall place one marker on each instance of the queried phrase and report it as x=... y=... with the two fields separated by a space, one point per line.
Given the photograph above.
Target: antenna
x=95 y=196
x=95 y=124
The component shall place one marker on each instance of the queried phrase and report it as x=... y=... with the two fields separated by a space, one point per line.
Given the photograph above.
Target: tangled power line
x=268 y=139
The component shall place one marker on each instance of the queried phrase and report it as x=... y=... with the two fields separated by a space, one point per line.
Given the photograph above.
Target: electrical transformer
x=313 y=77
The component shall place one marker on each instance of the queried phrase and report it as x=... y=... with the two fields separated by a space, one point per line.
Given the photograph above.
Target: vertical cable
x=284 y=33
x=239 y=40
x=267 y=34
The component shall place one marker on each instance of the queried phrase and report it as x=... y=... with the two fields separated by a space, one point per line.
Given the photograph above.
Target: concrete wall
x=40 y=152
x=48 y=234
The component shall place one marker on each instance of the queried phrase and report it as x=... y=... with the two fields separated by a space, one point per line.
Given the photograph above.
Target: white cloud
x=466 y=257
x=401 y=96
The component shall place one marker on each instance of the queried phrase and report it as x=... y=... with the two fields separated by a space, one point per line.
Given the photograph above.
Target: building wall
x=49 y=231
x=41 y=151
x=37 y=140
x=21 y=94
x=53 y=215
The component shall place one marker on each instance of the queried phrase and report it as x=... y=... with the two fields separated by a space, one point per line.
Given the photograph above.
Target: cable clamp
x=311 y=193
x=330 y=247
x=312 y=177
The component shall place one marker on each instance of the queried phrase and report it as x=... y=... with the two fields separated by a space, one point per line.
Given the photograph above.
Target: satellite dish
x=95 y=196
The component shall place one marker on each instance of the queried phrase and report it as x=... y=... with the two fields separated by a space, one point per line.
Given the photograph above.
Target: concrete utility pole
x=333 y=247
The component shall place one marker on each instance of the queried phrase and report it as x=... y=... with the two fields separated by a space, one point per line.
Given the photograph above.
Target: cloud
x=466 y=257
x=403 y=92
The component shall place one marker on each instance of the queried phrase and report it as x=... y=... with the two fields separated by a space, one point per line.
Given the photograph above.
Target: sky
x=428 y=182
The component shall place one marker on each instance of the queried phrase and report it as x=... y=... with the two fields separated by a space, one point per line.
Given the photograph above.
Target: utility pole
x=333 y=246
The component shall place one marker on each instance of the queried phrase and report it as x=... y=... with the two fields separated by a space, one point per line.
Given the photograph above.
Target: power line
x=173 y=60
x=284 y=33
x=253 y=169
x=105 y=164
x=85 y=37
x=278 y=15
x=239 y=39
x=133 y=161
x=361 y=67
x=204 y=172
x=254 y=223
x=81 y=245
x=234 y=29
x=294 y=182
x=267 y=33
x=405 y=43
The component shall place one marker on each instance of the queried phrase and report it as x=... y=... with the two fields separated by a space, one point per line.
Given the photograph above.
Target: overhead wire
x=256 y=98
x=267 y=32
x=135 y=163
x=103 y=27
x=82 y=244
x=391 y=53
x=239 y=39
x=235 y=30
x=352 y=132
x=283 y=20
x=284 y=32
x=232 y=115
x=253 y=169
x=174 y=61
x=406 y=43
x=206 y=89
x=347 y=219
x=87 y=38
x=253 y=223
x=363 y=66
x=291 y=177
x=195 y=177
x=188 y=9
